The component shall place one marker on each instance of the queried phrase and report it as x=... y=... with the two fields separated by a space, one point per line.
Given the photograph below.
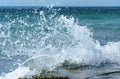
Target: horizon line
x=59 y=6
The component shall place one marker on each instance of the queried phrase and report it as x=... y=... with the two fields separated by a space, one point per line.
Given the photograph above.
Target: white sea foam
x=20 y=72
x=66 y=41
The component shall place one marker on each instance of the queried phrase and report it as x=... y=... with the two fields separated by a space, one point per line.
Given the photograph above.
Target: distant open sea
x=44 y=37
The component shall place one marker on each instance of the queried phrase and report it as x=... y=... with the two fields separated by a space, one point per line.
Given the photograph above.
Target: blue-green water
x=84 y=35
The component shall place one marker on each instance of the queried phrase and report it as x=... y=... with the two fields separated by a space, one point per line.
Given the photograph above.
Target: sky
x=60 y=2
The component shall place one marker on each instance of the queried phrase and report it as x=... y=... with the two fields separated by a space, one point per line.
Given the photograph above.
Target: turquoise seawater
x=84 y=35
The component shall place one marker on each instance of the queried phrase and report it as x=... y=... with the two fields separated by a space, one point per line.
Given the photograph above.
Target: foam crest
x=111 y=52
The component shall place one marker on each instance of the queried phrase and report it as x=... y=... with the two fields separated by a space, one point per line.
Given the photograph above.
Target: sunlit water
x=32 y=39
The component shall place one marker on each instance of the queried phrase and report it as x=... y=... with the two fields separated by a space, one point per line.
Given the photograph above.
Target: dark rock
x=73 y=66
x=46 y=77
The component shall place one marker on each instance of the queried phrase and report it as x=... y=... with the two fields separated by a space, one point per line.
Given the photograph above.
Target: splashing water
x=47 y=40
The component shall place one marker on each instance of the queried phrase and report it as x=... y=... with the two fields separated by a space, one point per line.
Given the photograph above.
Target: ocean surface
x=36 y=38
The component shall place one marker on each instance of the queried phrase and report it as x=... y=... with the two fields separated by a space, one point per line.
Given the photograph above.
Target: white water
x=20 y=72
x=67 y=41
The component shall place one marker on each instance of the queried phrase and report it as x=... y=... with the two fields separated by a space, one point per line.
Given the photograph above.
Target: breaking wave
x=47 y=42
